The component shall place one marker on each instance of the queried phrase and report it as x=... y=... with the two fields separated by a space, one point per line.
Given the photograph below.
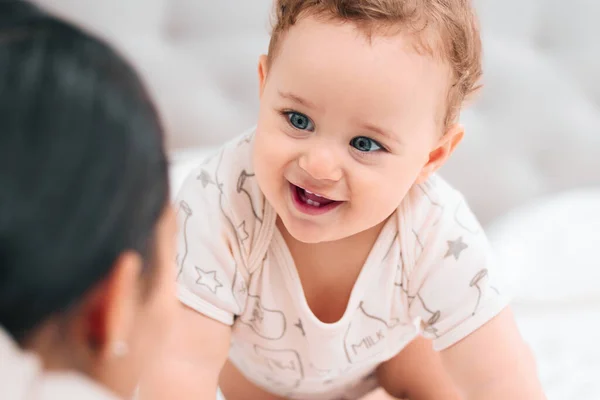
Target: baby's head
x=359 y=100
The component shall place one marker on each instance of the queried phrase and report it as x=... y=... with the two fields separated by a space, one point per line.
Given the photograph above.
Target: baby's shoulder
x=225 y=190
x=228 y=166
x=434 y=215
x=437 y=204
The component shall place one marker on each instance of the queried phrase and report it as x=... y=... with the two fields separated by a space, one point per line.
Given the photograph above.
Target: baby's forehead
x=324 y=50
x=446 y=31
x=331 y=69
x=320 y=45
x=423 y=38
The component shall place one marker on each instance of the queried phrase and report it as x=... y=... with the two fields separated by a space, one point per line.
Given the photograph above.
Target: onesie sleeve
x=211 y=273
x=454 y=286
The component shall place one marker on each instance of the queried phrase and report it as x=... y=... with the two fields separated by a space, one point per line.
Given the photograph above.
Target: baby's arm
x=192 y=361
x=416 y=373
x=452 y=289
x=494 y=363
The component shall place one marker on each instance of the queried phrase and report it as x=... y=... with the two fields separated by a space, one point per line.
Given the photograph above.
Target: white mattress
x=564 y=340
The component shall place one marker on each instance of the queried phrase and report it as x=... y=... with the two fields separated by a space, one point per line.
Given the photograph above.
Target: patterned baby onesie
x=429 y=272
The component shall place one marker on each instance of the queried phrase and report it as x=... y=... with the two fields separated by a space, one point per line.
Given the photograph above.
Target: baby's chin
x=310 y=233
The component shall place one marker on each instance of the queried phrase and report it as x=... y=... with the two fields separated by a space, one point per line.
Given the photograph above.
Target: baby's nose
x=321 y=163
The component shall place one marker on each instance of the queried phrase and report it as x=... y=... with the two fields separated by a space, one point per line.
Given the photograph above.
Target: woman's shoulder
x=22 y=377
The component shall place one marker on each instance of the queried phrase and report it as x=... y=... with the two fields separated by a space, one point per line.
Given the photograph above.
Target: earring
x=120 y=348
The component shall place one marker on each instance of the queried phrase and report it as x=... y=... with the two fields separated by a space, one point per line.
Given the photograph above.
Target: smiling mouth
x=311 y=203
x=312 y=199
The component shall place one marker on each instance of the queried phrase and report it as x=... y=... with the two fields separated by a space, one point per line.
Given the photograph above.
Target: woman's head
x=86 y=234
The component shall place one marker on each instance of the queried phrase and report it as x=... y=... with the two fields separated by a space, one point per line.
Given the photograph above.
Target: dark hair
x=83 y=170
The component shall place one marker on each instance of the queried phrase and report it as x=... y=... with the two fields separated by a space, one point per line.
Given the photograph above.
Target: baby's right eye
x=300 y=121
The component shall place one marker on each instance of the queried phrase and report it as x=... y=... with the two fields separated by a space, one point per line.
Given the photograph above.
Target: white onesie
x=428 y=273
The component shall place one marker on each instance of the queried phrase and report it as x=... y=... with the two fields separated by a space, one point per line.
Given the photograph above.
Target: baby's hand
x=494 y=363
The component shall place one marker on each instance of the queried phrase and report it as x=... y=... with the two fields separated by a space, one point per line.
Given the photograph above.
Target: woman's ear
x=263 y=66
x=442 y=151
x=110 y=309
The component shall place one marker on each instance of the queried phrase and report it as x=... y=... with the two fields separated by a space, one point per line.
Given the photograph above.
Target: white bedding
x=565 y=342
x=548 y=249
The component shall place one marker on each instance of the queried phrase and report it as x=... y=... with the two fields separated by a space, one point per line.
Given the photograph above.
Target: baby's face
x=346 y=127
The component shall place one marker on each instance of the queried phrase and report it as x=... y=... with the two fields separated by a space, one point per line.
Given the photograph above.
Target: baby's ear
x=442 y=151
x=263 y=66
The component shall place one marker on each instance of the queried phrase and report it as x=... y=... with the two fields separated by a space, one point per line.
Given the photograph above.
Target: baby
x=317 y=248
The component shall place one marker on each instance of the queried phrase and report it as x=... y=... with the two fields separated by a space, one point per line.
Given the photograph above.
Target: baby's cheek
x=384 y=187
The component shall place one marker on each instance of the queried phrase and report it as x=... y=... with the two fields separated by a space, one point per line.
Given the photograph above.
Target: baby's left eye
x=300 y=121
x=365 y=144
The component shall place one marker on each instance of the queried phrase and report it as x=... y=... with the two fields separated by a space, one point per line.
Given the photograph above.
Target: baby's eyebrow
x=295 y=98
x=381 y=132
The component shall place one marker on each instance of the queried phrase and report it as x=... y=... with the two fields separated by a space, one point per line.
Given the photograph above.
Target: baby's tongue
x=321 y=200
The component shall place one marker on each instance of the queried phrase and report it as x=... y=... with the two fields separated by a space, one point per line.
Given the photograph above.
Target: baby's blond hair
x=445 y=29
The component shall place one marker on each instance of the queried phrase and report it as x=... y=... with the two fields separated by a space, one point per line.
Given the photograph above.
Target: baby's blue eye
x=300 y=121
x=364 y=144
